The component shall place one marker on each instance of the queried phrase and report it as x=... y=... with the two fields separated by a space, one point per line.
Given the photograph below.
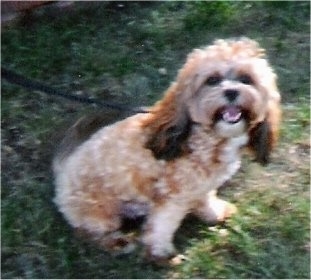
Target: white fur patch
x=229 y=130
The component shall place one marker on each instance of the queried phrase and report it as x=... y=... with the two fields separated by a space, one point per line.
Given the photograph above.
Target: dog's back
x=83 y=129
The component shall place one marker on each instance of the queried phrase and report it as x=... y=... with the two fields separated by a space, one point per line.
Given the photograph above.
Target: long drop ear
x=259 y=142
x=170 y=125
x=264 y=135
x=170 y=142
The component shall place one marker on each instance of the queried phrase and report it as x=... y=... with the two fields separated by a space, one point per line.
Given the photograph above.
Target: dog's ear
x=264 y=135
x=169 y=125
x=170 y=122
x=170 y=141
x=259 y=142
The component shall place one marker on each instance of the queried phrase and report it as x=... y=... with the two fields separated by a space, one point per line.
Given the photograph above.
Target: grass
x=118 y=53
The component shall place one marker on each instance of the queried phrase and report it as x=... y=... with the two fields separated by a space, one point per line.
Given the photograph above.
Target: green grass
x=266 y=240
x=115 y=53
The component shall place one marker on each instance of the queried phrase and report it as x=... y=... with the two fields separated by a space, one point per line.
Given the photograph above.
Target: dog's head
x=228 y=88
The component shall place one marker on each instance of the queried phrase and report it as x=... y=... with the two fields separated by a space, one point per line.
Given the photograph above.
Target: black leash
x=17 y=79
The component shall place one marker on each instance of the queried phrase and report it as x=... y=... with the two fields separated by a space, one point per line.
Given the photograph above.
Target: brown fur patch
x=173 y=185
x=217 y=151
x=143 y=184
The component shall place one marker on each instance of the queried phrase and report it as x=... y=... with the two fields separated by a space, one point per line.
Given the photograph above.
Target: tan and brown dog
x=169 y=162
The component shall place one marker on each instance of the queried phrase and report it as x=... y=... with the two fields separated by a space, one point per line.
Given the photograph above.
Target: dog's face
x=229 y=89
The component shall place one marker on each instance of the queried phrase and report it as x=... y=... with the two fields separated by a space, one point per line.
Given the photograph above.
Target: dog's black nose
x=231 y=94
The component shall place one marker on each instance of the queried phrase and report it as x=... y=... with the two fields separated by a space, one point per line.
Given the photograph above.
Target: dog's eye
x=213 y=80
x=245 y=79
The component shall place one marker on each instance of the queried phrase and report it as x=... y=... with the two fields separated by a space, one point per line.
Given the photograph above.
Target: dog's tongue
x=231 y=114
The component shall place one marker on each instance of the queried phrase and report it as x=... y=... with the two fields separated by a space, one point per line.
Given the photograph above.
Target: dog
x=170 y=161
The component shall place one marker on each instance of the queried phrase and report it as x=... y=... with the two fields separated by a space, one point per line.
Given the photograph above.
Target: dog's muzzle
x=230 y=113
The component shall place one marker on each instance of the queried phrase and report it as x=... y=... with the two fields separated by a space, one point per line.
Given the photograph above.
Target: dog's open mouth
x=231 y=114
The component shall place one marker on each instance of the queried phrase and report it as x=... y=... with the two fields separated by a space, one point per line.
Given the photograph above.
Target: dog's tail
x=83 y=129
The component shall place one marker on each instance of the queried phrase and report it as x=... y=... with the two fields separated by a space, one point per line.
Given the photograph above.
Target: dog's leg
x=97 y=218
x=214 y=210
x=108 y=234
x=159 y=231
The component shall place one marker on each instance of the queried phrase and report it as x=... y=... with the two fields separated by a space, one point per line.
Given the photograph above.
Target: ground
x=129 y=53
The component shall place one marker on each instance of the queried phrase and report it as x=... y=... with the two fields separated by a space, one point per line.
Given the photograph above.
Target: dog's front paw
x=160 y=255
x=216 y=210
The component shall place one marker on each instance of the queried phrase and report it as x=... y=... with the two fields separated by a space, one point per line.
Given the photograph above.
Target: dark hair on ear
x=171 y=141
x=260 y=142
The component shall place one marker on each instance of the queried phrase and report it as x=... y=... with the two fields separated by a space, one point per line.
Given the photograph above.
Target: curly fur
x=170 y=162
